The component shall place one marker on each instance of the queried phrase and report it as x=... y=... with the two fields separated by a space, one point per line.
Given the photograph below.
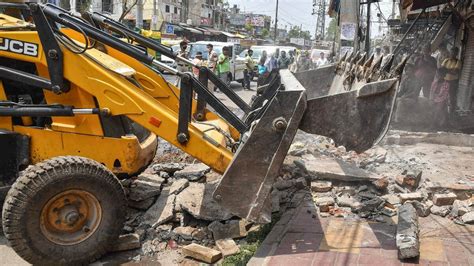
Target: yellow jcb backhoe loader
x=80 y=107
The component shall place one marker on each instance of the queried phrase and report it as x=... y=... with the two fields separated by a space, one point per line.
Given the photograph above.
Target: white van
x=237 y=64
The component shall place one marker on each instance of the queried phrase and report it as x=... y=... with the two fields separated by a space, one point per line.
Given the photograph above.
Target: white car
x=237 y=64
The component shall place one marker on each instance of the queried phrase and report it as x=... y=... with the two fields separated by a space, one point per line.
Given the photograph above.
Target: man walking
x=212 y=59
x=322 y=60
x=249 y=67
x=223 y=65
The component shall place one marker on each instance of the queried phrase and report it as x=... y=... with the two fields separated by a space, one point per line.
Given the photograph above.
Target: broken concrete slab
x=444 y=199
x=185 y=232
x=201 y=253
x=141 y=190
x=142 y=205
x=388 y=212
x=127 y=242
x=321 y=186
x=468 y=218
x=409 y=179
x=407 y=238
x=230 y=229
x=283 y=184
x=170 y=168
x=460 y=208
x=162 y=211
x=193 y=172
x=151 y=178
x=422 y=209
x=228 y=247
x=178 y=185
x=382 y=183
x=371 y=205
x=301 y=183
x=441 y=210
x=411 y=196
x=197 y=200
x=391 y=200
x=336 y=169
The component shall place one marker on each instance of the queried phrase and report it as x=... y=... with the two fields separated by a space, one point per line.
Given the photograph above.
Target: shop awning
x=205 y=31
x=228 y=34
x=193 y=30
x=213 y=31
x=240 y=36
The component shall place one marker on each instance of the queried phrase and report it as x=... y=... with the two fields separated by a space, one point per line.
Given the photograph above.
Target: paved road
x=9 y=257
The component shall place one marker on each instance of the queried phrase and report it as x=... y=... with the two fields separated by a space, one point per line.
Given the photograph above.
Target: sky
x=298 y=12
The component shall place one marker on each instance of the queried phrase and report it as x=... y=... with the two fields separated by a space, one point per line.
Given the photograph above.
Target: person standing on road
x=452 y=66
x=284 y=61
x=322 y=60
x=182 y=67
x=271 y=63
x=249 y=67
x=198 y=62
x=212 y=59
x=223 y=65
x=425 y=70
x=262 y=70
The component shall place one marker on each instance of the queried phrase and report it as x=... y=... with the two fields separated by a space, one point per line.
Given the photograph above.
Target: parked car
x=237 y=64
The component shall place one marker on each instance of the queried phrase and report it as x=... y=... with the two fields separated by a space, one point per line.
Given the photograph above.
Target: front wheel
x=66 y=210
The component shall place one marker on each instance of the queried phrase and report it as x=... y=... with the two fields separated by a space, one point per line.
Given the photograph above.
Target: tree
x=332 y=30
x=127 y=6
x=265 y=32
x=296 y=32
x=249 y=28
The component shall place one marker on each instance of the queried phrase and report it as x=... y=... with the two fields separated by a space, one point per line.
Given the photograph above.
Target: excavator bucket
x=356 y=119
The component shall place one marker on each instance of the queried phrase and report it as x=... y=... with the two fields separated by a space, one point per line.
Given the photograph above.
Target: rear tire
x=66 y=210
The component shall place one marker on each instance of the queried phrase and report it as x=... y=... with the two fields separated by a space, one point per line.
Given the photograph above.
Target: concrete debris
x=141 y=190
x=460 y=208
x=298 y=149
x=444 y=199
x=284 y=184
x=468 y=218
x=388 y=212
x=197 y=200
x=162 y=211
x=441 y=210
x=407 y=240
x=324 y=203
x=193 y=172
x=142 y=205
x=411 y=196
x=202 y=253
x=170 y=168
x=422 y=209
x=127 y=242
x=230 y=229
x=409 y=179
x=228 y=247
x=151 y=178
x=382 y=183
x=178 y=185
x=301 y=183
x=347 y=201
x=276 y=196
x=371 y=205
x=335 y=169
x=185 y=232
x=391 y=200
x=321 y=186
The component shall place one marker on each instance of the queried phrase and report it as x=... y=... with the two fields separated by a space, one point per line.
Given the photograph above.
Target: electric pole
x=276 y=22
x=367 y=34
x=154 y=20
x=319 y=9
x=139 y=23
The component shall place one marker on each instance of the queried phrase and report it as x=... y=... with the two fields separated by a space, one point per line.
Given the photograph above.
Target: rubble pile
x=171 y=205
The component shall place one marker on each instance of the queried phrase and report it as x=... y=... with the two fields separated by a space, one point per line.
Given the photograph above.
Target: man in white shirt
x=322 y=60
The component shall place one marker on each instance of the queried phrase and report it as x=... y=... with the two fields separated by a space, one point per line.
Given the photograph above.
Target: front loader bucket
x=355 y=119
x=246 y=184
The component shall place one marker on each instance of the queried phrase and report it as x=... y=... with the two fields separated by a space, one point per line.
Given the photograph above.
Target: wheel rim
x=70 y=217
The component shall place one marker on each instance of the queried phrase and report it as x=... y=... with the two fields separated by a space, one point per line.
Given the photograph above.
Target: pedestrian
x=271 y=63
x=249 y=67
x=223 y=65
x=212 y=59
x=198 y=62
x=443 y=54
x=322 y=60
x=283 y=61
x=378 y=53
x=263 y=72
x=439 y=96
x=181 y=66
x=452 y=66
x=425 y=70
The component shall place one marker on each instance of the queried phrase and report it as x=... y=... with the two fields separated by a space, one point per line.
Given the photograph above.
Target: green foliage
x=332 y=29
x=265 y=32
x=254 y=240
x=296 y=32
